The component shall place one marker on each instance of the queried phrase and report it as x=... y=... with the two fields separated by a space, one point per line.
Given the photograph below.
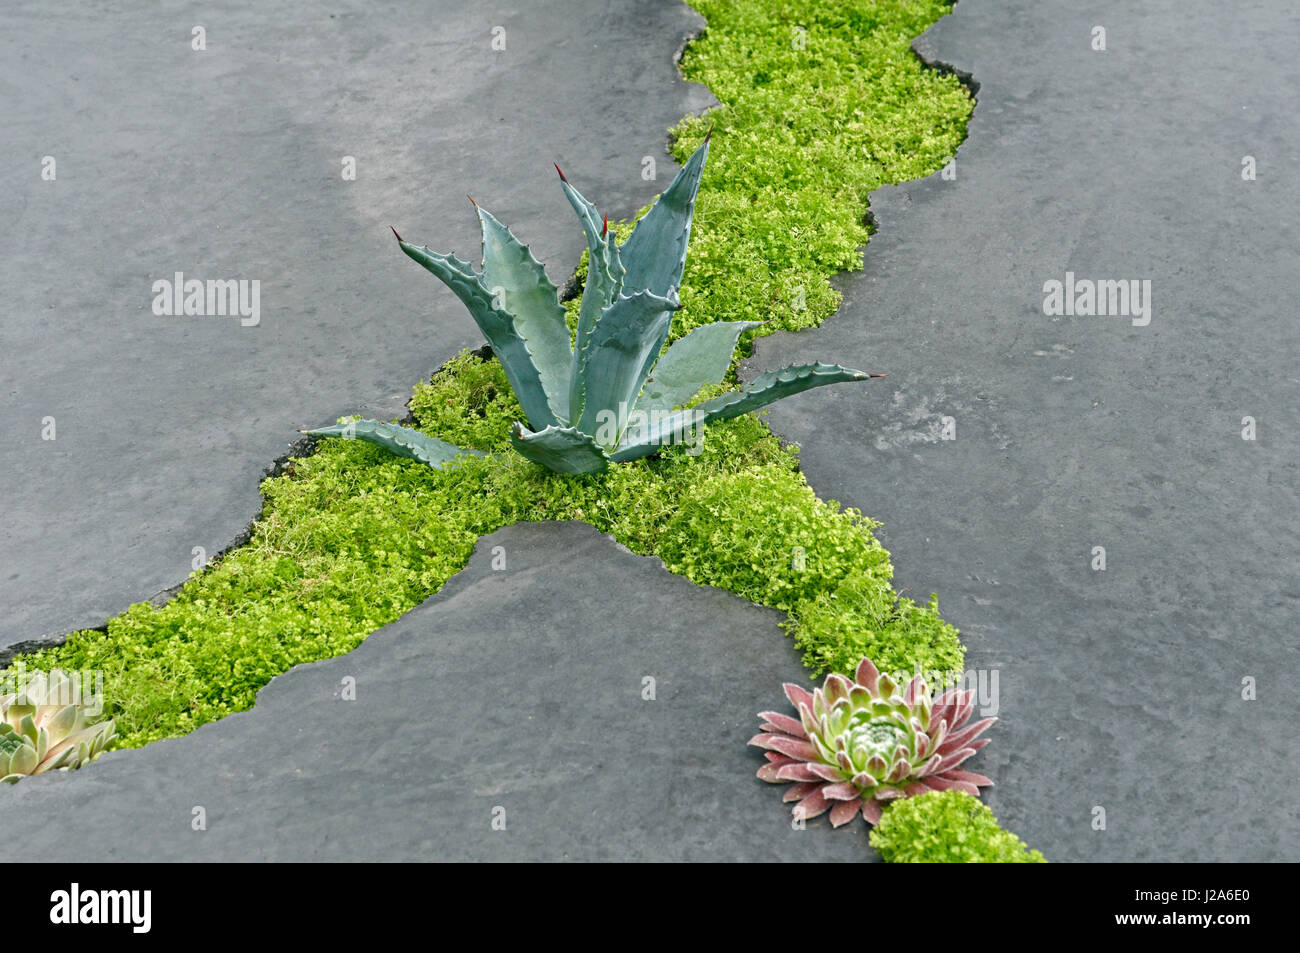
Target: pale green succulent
x=604 y=395
x=47 y=726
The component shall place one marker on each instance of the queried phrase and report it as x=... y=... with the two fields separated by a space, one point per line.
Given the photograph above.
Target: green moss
x=470 y=404
x=804 y=135
x=351 y=538
x=947 y=827
x=863 y=617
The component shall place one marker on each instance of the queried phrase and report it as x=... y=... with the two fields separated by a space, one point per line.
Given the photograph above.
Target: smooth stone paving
x=516 y=692
x=228 y=163
x=1119 y=689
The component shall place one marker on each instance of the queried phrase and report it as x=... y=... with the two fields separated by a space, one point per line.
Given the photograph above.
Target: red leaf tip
x=471 y=201
x=395 y=235
x=559 y=170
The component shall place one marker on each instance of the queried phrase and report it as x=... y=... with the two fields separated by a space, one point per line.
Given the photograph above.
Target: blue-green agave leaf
x=402 y=441
x=604 y=264
x=604 y=281
x=641 y=441
x=656 y=253
x=497 y=326
x=518 y=283
x=562 y=449
x=691 y=363
x=622 y=348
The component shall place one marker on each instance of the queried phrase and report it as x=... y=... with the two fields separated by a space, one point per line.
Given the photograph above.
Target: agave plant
x=857 y=744
x=603 y=395
x=45 y=727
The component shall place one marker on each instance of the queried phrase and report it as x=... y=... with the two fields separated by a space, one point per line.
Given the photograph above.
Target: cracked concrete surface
x=1121 y=688
x=227 y=163
x=519 y=690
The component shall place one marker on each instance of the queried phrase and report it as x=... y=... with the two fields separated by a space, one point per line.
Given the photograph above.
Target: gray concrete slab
x=1119 y=689
x=227 y=163
x=519 y=690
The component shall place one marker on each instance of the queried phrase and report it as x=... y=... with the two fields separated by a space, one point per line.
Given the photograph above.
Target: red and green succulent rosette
x=859 y=743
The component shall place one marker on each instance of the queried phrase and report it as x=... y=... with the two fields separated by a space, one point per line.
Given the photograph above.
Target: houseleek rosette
x=46 y=727
x=860 y=743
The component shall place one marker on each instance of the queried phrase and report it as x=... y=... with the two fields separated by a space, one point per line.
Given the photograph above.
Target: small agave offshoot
x=45 y=727
x=857 y=744
x=608 y=396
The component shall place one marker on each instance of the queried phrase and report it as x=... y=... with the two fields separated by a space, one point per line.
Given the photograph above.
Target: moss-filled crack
x=822 y=101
